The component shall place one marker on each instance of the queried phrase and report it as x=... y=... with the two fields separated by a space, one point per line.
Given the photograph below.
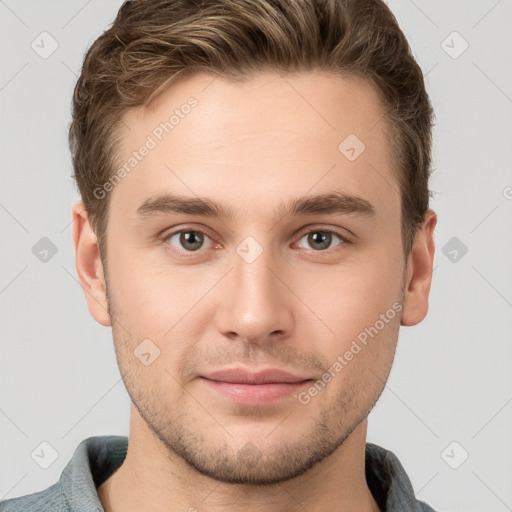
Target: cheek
x=347 y=300
x=162 y=305
x=153 y=299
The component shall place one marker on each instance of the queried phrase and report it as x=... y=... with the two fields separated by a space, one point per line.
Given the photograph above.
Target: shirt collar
x=97 y=458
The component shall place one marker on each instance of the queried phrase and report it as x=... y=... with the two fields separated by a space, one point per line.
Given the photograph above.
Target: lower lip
x=255 y=393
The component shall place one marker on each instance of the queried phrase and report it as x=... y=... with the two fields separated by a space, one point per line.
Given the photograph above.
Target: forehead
x=271 y=136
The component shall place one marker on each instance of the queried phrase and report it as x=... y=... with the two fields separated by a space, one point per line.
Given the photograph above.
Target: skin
x=297 y=307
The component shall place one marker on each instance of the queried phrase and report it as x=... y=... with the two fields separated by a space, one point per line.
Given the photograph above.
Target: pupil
x=188 y=238
x=324 y=237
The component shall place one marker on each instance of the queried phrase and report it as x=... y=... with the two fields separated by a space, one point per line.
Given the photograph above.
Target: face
x=253 y=337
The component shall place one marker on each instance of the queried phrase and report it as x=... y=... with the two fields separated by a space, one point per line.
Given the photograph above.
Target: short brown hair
x=153 y=42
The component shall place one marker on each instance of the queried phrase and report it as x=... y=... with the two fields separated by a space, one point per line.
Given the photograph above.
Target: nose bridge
x=253 y=270
x=257 y=304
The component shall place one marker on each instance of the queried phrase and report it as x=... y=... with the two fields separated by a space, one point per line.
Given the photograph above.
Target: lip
x=254 y=388
x=243 y=376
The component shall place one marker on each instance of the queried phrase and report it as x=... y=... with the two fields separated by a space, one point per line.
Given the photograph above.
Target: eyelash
x=344 y=240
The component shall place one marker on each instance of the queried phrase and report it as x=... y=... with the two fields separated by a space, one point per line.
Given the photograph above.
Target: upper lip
x=243 y=376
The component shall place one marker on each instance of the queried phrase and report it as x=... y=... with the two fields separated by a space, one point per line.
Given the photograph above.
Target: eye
x=190 y=240
x=321 y=239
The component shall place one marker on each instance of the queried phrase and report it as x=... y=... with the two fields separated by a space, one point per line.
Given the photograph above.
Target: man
x=254 y=226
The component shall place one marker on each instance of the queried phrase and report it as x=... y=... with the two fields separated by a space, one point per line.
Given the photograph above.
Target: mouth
x=254 y=388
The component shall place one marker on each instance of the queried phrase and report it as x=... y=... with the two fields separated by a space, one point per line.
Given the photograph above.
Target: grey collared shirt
x=96 y=458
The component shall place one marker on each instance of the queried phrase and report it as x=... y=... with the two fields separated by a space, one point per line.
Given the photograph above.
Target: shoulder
x=390 y=483
x=47 y=500
x=424 y=507
x=93 y=461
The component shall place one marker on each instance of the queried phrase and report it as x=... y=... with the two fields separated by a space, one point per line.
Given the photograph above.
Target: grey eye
x=189 y=240
x=320 y=239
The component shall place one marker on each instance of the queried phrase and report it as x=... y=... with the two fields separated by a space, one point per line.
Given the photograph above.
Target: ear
x=419 y=272
x=89 y=266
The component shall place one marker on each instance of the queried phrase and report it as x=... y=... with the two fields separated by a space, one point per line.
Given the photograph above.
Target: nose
x=256 y=304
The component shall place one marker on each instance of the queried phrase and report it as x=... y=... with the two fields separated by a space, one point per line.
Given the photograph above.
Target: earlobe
x=419 y=272
x=89 y=266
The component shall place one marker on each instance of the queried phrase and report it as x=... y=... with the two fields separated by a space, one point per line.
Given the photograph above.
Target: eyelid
x=169 y=234
x=325 y=229
x=346 y=240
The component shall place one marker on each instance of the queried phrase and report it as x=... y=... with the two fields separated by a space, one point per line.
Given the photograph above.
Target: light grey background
x=451 y=380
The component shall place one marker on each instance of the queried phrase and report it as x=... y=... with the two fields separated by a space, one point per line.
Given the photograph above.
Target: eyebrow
x=329 y=203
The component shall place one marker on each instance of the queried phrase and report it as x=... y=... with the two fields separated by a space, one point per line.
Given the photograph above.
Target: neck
x=152 y=478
